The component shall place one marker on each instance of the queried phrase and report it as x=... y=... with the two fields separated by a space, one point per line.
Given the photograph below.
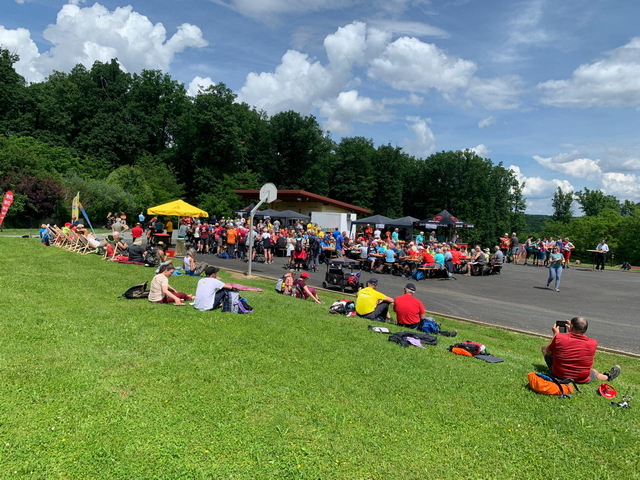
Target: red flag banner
x=6 y=203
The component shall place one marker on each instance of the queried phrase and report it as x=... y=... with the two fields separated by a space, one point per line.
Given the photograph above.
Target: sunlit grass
x=95 y=386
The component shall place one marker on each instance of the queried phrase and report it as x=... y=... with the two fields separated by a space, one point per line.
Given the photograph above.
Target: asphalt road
x=515 y=299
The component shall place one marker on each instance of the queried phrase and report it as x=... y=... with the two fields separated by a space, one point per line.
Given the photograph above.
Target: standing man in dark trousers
x=601 y=255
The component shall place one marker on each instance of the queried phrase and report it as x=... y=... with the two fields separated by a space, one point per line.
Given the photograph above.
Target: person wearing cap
x=210 y=290
x=571 y=354
x=306 y=291
x=161 y=292
x=372 y=304
x=409 y=310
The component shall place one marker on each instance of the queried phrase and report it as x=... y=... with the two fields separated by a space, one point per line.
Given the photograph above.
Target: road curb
x=462 y=319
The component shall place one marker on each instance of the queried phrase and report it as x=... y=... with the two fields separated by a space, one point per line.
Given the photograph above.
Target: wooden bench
x=428 y=271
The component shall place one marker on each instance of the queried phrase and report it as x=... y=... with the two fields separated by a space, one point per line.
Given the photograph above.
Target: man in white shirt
x=601 y=256
x=210 y=290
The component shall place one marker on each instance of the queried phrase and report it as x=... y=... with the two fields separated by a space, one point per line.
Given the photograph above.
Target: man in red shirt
x=571 y=354
x=409 y=310
x=137 y=232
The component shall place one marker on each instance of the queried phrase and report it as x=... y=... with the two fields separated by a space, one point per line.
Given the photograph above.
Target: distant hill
x=535 y=223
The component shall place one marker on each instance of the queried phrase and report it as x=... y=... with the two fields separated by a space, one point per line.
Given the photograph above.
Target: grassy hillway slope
x=96 y=386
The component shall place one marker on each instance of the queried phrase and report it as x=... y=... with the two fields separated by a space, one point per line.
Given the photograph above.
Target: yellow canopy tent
x=177 y=208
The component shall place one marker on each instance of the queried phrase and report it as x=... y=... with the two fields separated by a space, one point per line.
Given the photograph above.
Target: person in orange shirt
x=231 y=241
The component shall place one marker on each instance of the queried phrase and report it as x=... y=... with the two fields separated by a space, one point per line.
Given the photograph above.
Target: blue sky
x=550 y=89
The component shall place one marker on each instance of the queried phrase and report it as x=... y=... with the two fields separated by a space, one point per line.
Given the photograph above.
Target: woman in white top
x=161 y=292
x=568 y=247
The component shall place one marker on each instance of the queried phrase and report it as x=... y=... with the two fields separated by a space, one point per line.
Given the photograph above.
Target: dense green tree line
x=128 y=141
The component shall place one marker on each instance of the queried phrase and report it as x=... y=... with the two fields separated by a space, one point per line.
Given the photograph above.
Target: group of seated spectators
x=404 y=258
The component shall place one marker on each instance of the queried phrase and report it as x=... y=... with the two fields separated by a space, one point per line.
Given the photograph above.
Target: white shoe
x=557 y=289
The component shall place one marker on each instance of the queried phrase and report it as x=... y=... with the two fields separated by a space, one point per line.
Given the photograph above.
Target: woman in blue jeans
x=556 y=261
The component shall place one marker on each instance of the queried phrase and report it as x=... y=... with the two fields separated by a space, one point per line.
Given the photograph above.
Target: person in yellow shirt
x=372 y=304
x=169 y=228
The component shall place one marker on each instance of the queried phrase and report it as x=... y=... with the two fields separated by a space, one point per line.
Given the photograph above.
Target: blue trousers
x=555 y=273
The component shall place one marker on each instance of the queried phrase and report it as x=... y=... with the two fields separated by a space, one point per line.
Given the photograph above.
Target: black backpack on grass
x=137 y=291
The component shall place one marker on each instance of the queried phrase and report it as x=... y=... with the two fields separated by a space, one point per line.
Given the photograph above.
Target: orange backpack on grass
x=548 y=385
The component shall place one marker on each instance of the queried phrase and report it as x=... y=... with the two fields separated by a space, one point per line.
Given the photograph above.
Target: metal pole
x=251 y=240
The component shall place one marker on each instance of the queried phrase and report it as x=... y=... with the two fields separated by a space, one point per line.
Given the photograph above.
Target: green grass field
x=95 y=386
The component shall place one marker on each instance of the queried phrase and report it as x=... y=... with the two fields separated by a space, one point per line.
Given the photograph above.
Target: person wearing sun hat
x=305 y=290
x=372 y=304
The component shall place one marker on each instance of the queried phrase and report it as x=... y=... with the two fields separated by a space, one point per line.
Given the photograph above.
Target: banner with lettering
x=6 y=203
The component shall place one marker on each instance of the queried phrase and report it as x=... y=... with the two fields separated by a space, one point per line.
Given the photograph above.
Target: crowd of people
x=568 y=355
x=535 y=252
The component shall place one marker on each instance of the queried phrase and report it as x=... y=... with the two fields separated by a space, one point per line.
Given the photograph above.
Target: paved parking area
x=516 y=299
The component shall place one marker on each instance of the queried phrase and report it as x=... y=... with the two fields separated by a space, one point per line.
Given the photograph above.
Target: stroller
x=337 y=277
x=259 y=249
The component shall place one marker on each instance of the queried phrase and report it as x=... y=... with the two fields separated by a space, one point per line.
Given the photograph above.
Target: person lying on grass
x=305 y=291
x=210 y=291
x=571 y=354
x=372 y=304
x=161 y=292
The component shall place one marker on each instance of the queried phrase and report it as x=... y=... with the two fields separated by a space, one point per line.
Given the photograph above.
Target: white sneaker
x=557 y=289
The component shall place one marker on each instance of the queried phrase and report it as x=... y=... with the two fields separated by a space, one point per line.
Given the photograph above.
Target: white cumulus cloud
x=573 y=164
x=350 y=107
x=625 y=186
x=481 y=150
x=423 y=142
x=611 y=81
x=84 y=35
x=199 y=84
x=538 y=192
x=411 y=65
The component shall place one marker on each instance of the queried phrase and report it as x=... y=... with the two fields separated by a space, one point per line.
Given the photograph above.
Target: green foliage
x=12 y=92
x=594 y=202
x=534 y=224
x=300 y=153
x=130 y=179
x=96 y=386
x=220 y=199
x=353 y=171
x=26 y=155
x=97 y=197
x=561 y=203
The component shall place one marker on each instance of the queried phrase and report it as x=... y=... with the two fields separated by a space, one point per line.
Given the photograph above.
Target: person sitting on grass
x=305 y=291
x=161 y=292
x=372 y=304
x=409 y=310
x=136 y=251
x=189 y=263
x=571 y=354
x=210 y=291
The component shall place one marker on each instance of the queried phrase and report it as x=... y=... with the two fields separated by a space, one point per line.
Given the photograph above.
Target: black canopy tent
x=374 y=220
x=445 y=219
x=405 y=222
